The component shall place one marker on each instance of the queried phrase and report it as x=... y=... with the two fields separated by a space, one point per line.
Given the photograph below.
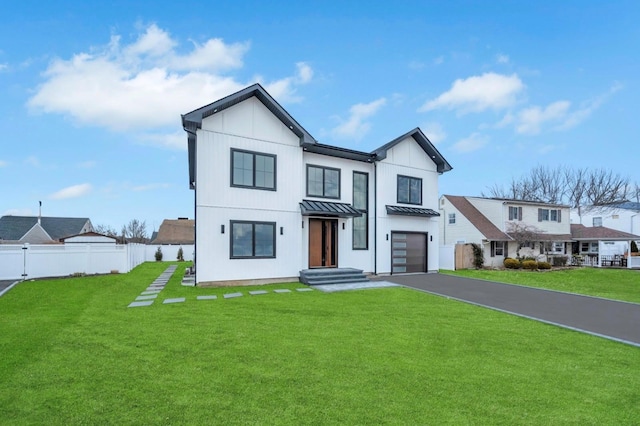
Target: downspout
x=375 y=218
x=195 y=210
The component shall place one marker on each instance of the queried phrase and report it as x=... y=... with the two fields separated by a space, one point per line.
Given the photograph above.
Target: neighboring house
x=90 y=238
x=41 y=230
x=600 y=246
x=176 y=232
x=270 y=201
x=623 y=216
x=505 y=228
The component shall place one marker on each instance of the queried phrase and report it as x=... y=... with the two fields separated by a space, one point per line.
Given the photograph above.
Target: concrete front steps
x=324 y=276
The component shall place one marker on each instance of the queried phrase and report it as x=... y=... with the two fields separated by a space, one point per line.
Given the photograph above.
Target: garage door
x=408 y=252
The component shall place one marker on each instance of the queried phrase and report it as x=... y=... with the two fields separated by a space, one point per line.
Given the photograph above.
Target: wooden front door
x=323 y=243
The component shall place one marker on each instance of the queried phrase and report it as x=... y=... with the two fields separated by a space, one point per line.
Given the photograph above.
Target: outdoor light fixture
x=281 y=230
x=387 y=237
x=222 y=229
x=342 y=225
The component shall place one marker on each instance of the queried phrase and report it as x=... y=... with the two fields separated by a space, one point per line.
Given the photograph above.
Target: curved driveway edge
x=614 y=320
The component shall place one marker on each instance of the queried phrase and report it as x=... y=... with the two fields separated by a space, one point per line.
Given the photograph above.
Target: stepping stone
x=147 y=297
x=232 y=295
x=174 y=300
x=156 y=289
x=282 y=290
x=150 y=292
x=143 y=303
x=207 y=297
x=304 y=289
x=256 y=292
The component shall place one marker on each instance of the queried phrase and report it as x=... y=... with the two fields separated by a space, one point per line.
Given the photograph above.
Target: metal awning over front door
x=411 y=211
x=327 y=209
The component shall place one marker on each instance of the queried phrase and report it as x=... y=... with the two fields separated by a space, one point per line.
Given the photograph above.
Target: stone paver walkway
x=151 y=294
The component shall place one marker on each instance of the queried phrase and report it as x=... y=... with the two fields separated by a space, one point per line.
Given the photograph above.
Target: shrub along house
x=271 y=202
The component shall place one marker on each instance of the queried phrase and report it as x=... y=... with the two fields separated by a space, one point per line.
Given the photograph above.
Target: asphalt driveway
x=606 y=318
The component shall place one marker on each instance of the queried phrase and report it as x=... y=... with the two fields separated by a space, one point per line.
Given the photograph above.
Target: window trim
x=253 y=186
x=365 y=211
x=515 y=213
x=253 y=239
x=547 y=212
x=410 y=178
x=323 y=181
x=451 y=219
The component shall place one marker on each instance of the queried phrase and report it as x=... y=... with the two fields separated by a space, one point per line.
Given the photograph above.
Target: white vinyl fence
x=58 y=260
x=448 y=257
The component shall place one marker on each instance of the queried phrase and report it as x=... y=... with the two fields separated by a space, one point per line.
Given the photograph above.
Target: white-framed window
x=549 y=215
x=597 y=221
x=498 y=248
x=452 y=218
x=558 y=247
x=515 y=213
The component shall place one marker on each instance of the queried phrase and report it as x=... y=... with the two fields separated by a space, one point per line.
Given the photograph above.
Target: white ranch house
x=272 y=202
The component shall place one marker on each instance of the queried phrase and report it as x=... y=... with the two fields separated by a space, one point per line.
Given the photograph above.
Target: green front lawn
x=617 y=284
x=73 y=353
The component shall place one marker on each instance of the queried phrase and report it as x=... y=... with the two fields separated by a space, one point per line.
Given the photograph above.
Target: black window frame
x=255 y=154
x=365 y=211
x=410 y=178
x=324 y=189
x=253 y=239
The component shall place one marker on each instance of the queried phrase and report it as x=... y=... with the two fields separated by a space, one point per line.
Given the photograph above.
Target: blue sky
x=91 y=94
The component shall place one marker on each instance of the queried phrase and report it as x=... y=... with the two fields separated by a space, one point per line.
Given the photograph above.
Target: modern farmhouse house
x=271 y=202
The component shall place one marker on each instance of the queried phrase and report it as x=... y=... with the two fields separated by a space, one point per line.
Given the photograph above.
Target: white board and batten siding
x=248 y=126
x=408 y=159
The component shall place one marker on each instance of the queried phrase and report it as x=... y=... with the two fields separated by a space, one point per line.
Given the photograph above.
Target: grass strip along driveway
x=73 y=353
x=616 y=284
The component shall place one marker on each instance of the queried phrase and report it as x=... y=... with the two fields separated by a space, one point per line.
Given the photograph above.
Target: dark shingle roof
x=411 y=211
x=581 y=232
x=15 y=227
x=477 y=219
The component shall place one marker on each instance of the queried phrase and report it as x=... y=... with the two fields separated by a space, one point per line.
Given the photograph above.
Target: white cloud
x=356 y=126
x=434 y=132
x=415 y=65
x=530 y=120
x=471 y=143
x=502 y=59
x=74 y=191
x=439 y=60
x=147 y=84
x=478 y=93
x=175 y=140
x=18 y=212
x=4 y=67
x=3 y=163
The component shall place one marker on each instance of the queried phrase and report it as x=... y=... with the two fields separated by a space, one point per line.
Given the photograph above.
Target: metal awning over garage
x=324 y=208
x=411 y=211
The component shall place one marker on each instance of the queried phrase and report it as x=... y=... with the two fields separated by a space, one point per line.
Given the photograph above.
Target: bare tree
x=523 y=234
x=635 y=193
x=561 y=185
x=105 y=230
x=135 y=231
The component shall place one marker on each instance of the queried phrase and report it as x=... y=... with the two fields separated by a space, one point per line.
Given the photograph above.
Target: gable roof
x=581 y=232
x=15 y=227
x=425 y=144
x=192 y=121
x=625 y=205
x=477 y=219
x=172 y=231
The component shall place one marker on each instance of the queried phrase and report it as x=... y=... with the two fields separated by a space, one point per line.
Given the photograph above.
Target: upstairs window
x=452 y=218
x=515 y=213
x=549 y=215
x=597 y=221
x=323 y=182
x=253 y=170
x=409 y=190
